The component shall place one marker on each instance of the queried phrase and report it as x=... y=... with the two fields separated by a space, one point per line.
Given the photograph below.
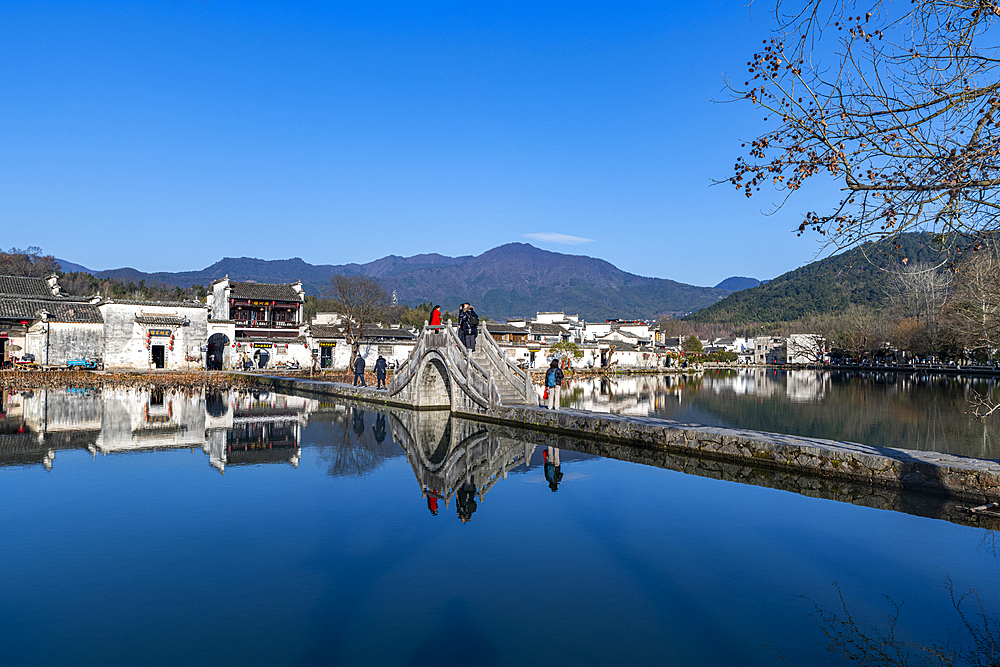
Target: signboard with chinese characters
x=262 y=345
x=160 y=332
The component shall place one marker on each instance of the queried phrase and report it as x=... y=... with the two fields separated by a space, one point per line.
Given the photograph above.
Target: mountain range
x=512 y=280
x=857 y=277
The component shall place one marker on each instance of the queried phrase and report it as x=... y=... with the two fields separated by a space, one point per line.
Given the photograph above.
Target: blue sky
x=165 y=135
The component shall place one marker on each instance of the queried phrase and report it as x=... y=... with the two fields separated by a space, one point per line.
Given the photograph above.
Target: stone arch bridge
x=441 y=373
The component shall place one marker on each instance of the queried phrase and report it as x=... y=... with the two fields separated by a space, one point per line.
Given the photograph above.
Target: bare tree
x=898 y=102
x=359 y=299
x=28 y=262
x=974 y=309
x=973 y=314
x=859 y=331
x=918 y=293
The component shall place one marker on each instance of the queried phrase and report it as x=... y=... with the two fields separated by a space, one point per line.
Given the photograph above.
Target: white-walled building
x=804 y=349
x=143 y=335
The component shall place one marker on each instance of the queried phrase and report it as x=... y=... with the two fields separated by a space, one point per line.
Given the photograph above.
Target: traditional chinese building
x=140 y=335
x=37 y=319
x=256 y=323
x=259 y=310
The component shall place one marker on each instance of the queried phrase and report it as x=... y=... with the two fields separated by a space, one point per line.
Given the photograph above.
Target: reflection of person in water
x=466 y=501
x=379 y=428
x=432 y=504
x=358 y=421
x=553 y=471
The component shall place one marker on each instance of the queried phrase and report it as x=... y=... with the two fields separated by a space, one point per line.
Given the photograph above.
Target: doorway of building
x=159 y=356
x=3 y=352
x=261 y=357
x=217 y=343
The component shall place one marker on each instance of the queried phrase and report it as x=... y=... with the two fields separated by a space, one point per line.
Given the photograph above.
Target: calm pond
x=907 y=410
x=149 y=528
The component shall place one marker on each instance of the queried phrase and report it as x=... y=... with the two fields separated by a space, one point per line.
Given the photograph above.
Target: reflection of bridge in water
x=455 y=458
x=232 y=428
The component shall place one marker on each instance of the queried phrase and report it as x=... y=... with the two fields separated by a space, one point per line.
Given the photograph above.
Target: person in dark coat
x=379 y=428
x=468 y=325
x=380 y=365
x=466 y=503
x=359 y=371
x=358 y=422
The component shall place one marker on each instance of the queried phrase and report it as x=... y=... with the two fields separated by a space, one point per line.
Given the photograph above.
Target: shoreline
x=934 y=473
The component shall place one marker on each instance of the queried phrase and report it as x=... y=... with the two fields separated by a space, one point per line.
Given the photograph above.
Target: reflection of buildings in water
x=806 y=386
x=455 y=459
x=657 y=394
x=637 y=395
x=38 y=423
x=231 y=427
x=258 y=427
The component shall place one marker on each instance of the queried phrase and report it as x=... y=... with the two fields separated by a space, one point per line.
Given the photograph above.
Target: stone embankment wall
x=932 y=472
x=802 y=482
x=969 y=479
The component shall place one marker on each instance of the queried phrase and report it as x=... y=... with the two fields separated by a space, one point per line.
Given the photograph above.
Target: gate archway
x=217 y=344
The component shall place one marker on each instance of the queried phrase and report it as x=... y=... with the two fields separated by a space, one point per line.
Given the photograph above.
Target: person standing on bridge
x=380 y=365
x=436 y=316
x=553 y=383
x=359 y=371
x=468 y=324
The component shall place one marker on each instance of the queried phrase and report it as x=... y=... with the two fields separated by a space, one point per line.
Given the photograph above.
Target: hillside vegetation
x=857 y=277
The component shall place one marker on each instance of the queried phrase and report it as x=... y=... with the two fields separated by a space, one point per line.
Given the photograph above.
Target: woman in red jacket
x=436 y=316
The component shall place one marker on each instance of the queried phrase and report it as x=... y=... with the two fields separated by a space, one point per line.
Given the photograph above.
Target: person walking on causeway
x=380 y=365
x=553 y=382
x=359 y=371
x=436 y=316
x=468 y=324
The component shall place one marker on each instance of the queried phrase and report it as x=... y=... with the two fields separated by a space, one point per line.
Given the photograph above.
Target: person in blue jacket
x=359 y=371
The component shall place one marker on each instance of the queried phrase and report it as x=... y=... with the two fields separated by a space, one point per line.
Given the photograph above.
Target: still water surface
x=262 y=529
x=907 y=410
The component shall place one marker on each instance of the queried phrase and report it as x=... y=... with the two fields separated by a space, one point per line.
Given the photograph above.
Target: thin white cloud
x=562 y=239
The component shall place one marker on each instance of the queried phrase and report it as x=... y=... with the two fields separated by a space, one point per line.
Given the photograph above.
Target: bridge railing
x=512 y=373
x=475 y=380
x=479 y=382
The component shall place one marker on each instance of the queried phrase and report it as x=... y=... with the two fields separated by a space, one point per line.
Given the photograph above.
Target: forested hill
x=856 y=277
x=516 y=279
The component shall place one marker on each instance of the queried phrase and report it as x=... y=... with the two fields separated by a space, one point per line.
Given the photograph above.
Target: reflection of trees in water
x=340 y=447
x=887 y=409
x=974 y=641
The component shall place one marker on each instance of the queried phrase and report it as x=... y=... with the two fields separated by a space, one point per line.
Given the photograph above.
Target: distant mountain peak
x=737 y=283
x=515 y=279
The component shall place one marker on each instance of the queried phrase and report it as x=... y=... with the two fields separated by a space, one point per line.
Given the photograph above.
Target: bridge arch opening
x=433 y=388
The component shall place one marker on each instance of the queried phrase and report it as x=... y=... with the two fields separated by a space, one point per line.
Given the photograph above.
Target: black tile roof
x=163 y=320
x=547 y=329
x=332 y=331
x=376 y=332
x=263 y=292
x=505 y=328
x=270 y=339
x=59 y=310
x=24 y=286
x=168 y=304
x=326 y=331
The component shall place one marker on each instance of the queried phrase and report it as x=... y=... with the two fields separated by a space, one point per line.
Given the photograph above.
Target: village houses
x=248 y=325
